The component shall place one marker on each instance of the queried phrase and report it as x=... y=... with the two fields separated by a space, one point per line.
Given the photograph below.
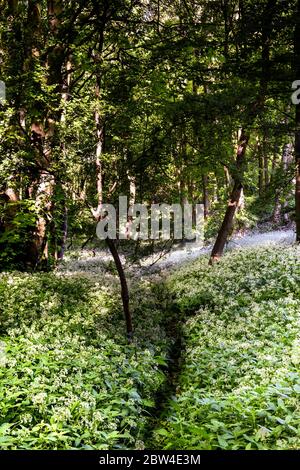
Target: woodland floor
x=214 y=362
x=89 y=261
x=157 y=436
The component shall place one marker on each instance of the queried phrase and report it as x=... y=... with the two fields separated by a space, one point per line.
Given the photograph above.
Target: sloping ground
x=69 y=380
x=239 y=384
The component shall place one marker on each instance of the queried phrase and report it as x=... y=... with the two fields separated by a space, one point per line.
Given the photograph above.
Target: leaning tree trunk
x=124 y=287
x=234 y=201
x=97 y=213
x=233 y=204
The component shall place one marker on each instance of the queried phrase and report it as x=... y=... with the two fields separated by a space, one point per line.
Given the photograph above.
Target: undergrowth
x=239 y=386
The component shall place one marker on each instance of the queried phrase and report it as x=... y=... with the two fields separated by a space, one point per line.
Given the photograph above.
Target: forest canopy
x=185 y=101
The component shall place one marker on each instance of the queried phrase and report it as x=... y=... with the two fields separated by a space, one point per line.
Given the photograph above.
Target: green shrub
x=17 y=226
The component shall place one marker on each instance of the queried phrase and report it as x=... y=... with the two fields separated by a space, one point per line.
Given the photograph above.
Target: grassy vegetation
x=239 y=386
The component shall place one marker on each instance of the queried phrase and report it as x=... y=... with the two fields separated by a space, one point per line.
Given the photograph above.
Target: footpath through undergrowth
x=214 y=363
x=238 y=385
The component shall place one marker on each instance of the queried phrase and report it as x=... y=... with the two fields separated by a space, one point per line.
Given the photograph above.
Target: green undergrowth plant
x=69 y=379
x=239 y=386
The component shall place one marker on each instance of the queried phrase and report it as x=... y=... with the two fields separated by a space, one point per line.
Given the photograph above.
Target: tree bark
x=227 y=225
x=266 y=169
x=297 y=119
x=260 y=171
x=124 y=287
x=278 y=213
x=287 y=158
x=47 y=135
x=100 y=143
x=206 y=201
x=234 y=200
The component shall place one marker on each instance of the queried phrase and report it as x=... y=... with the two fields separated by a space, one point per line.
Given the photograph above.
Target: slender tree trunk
x=219 y=184
x=297 y=133
x=100 y=143
x=279 y=206
x=277 y=209
x=224 y=5
x=274 y=162
x=228 y=179
x=63 y=210
x=227 y=225
x=287 y=158
x=99 y=147
x=43 y=207
x=132 y=197
x=124 y=287
x=260 y=171
x=64 y=235
x=266 y=169
x=297 y=154
x=206 y=201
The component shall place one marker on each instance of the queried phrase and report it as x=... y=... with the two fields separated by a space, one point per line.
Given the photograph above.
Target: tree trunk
x=233 y=203
x=228 y=179
x=64 y=236
x=124 y=287
x=266 y=169
x=100 y=143
x=297 y=133
x=277 y=209
x=260 y=171
x=278 y=213
x=206 y=201
x=132 y=197
x=297 y=154
x=51 y=142
x=63 y=212
x=99 y=147
x=227 y=225
x=287 y=158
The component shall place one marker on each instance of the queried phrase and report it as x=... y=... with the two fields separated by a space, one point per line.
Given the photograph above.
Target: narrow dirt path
x=177 y=257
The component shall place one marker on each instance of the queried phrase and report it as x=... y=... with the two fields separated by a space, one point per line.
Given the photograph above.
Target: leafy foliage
x=68 y=378
x=240 y=380
x=19 y=219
